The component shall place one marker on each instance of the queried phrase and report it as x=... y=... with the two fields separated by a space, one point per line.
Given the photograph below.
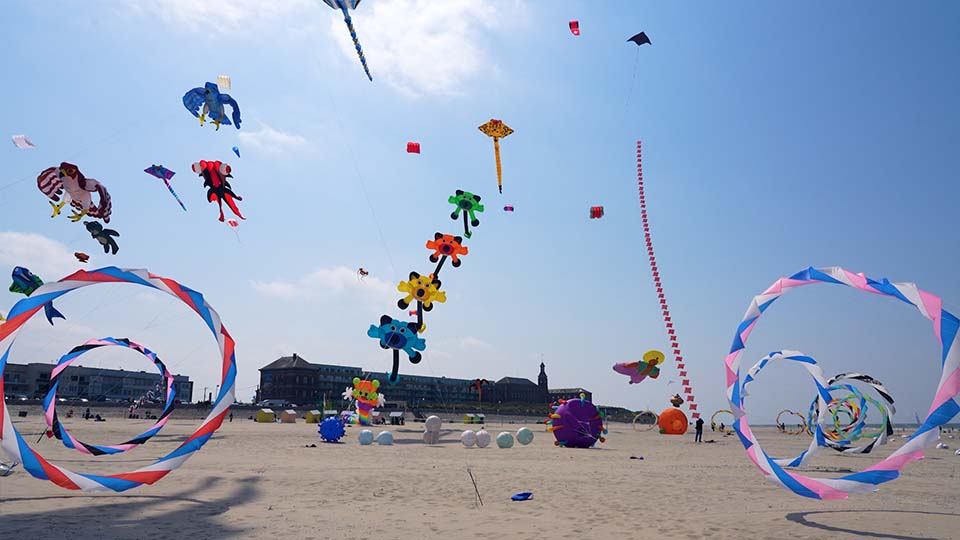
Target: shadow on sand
x=114 y=516
x=801 y=519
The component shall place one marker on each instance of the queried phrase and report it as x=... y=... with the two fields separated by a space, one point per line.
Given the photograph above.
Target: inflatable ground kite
x=803 y=422
x=16 y=447
x=943 y=408
x=576 y=423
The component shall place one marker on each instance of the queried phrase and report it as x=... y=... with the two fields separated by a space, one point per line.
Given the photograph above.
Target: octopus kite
x=468 y=204
x=399 y=336
x=215 y=174
x=212 y=102
x=638 y=371
x=54 y=180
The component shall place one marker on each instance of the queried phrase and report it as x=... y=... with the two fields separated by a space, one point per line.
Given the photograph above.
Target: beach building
x=94 y=384
x=296 y=380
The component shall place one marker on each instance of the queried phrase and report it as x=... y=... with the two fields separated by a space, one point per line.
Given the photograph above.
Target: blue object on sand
x=525 y=496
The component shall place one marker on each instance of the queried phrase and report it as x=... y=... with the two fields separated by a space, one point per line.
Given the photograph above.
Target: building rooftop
x=289 y=362
x=516 y=380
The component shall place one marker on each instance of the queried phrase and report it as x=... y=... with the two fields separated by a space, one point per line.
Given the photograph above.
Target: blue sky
x=775 y=137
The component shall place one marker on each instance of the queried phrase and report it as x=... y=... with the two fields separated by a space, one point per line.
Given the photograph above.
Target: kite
x=443 y=246
x=53 y=181
x=362 y=273
x=412 y=313
x=223 y=81
x=212 y=102
x=783 y=427
x=672 y=421
x=26 y=283
x=413 y=148
x=676 y=400
x=343 y=5
x=236 y=150
x=399 y=336
x=165 y=174
x=944 y=406
x=22 y=142
x=856 y=406
x=638 y=371
x=104 y=236
x=12 y=441
x=576 y=423
x=366 y=395
x=478 y=385
x=575 y=28
x=645 y=418
x=425 y=290
x=233 y=226
x=640 y=39
x=596 y=212
x=215 y=174
x=81 y=256
x=50 y=400
x=508 y=208
x=665 y=310
x=713 y=421
x=468 y=203
x=331 y=430
x=497 y=130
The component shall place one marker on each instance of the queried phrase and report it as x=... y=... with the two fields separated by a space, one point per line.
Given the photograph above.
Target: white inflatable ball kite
x=483 y=438
x=468 y=438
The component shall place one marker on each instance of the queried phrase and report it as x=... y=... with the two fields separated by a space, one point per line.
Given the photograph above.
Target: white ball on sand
x=431 y=437
x=385 y=438
x=483 y=438
x=433 y=423
x=505 y=439
x=524 y=436
x=365 y=437
x=468 y=438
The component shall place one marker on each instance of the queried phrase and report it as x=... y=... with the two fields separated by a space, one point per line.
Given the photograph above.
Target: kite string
x=667 y=321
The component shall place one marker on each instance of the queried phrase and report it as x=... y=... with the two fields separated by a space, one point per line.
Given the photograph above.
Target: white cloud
x=46 y=258
x=220 y=16
x=271 y=141
x=327 y=283
x=423 y=46
x=470 y=342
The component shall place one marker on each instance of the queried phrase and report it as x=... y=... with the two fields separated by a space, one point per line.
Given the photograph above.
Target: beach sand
x=260 y=481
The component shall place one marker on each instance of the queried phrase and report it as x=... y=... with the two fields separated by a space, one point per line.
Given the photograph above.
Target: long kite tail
x=356 y=42
x=667 y=321
x=174 y=193
x=496 y=153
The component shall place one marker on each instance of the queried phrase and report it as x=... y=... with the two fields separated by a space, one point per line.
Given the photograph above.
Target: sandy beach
x=261 y=481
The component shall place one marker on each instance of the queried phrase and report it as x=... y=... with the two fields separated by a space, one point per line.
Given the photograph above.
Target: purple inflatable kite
x=576 y=423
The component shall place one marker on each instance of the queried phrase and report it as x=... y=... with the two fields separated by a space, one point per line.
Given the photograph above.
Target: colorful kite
x=468 y=204
x=944 y=406
x=215 y=174
x=802 y=426
x=233 y=225
x=208 y=100
x=596 y=212
x=165 y=174
x=443 y=246
x=50 y=400
x=22 y=142
x=497 y=130
x=638 y=371
x=81 y=256
x=399 y=336
x=26 y=283
x=425 y=290
x=53 y=181
x=576 y=423
x=362 y=273
x=413 y=148
x=478 y=385
x=508 y=208
x=640 y=39
x=723 y=427
x=367 y=398
x=12 y=441
x=665 y=310
x=236 y=150
x=103 y=236
x=575 y=28
x=856 y=405
x=344 y=5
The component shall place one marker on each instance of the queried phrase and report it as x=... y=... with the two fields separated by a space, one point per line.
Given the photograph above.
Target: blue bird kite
x=343 y=5
x=212 y=102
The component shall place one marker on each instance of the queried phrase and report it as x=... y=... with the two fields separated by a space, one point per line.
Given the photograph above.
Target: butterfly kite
x=344 y=5
x=165 y=174
x=638 y=371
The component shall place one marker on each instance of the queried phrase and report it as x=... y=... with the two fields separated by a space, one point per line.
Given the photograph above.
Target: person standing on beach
x=699 y=436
